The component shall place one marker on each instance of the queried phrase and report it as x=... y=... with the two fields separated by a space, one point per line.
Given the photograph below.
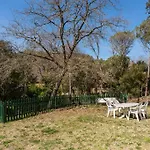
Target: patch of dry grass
x=79 y=128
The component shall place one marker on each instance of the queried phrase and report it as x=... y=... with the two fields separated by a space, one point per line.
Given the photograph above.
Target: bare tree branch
x=59 y=26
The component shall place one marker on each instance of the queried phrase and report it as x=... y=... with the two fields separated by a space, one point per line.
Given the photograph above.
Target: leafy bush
x=36 y=90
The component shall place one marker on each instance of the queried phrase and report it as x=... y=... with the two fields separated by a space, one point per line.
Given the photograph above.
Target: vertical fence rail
x=2 y=112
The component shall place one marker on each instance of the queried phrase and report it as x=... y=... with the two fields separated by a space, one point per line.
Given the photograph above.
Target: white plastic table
x=125 y=107
x=103 y=100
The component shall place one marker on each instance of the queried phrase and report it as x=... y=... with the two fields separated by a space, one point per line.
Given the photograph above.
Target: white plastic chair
x=135 y=111
x=115 y=101
x=111 y=108
x=144 y=109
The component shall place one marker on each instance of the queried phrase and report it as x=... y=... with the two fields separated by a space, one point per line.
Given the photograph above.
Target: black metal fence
x=21 y=108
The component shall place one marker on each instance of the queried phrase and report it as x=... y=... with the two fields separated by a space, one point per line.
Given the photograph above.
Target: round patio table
x=125 y=107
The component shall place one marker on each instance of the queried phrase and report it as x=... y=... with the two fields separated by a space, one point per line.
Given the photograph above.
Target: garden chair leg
x=143 y=113
x=140 y=115
x=146 y=116
x=114 y=113
x=137 y=117
x=108 y=113
x=128 y=115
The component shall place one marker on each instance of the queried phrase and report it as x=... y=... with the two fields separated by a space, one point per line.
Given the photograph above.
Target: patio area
x=136 y=109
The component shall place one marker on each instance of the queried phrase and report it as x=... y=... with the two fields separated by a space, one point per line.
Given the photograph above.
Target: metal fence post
x=2 y=112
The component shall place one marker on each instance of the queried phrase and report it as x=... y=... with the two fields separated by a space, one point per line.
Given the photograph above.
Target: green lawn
x=80 y=128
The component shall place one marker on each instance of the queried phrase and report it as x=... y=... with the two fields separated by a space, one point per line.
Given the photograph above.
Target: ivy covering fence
x=21 y=108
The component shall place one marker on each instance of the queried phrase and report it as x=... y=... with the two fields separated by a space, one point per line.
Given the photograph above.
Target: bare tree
x=58 y=26
x=122 y=42
x=94 y=44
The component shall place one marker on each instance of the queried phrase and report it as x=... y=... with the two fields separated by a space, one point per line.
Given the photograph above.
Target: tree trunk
x=147 y=79
x=70 y=86
x=57 y=85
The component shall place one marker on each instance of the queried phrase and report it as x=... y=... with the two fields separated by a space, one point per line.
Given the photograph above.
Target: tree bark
x=57 y=85
x=70 y=86
x=147 y=79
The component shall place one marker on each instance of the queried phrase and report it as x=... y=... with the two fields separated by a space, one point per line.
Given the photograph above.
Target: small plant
x=35 y=141
x=49 y=130
x=71 y=148
x=87 y=119
x=147 y=139
x=7 y=142
x=2 y=137
x=51 y=143
x=40 y=125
